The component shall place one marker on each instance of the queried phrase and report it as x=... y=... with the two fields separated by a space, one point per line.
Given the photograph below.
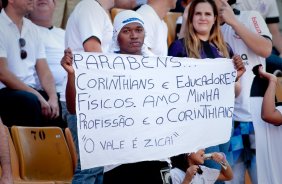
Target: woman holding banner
x=203 y=39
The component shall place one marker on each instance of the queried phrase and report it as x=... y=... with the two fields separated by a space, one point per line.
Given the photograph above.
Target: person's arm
x=184 y=23
x=252 y=40
x=226 y=173
x=90 y=45
x=11 y=81
x=276 y=36
x=237 y=88
x=5 y=160
x=191 y=171
x=66 y=63
x=269 y=113
x=48 y=84
x=239 y=66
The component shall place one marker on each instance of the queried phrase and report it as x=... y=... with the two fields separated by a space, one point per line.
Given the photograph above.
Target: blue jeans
x=87 y=176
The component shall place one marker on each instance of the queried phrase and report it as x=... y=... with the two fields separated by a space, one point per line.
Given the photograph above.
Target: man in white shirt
x=54 y=42
x=153 y=14
x=22 y=56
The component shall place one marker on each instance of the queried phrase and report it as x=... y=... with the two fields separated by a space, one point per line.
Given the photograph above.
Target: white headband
x=121 y=19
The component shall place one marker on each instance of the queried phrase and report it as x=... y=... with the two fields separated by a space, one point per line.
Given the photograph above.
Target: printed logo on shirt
x=254 y=19
x=245 y=59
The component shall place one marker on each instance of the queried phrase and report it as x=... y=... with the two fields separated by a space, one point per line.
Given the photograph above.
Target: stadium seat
x=170 y=20
x=71 y=146
x=15 y=165
x=43 y=154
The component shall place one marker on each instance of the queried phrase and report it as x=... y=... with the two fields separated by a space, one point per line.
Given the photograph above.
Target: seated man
x=22 y=56
x=5 y=163
x=54 y=42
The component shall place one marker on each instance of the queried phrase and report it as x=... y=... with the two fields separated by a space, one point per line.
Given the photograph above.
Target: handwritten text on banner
x=134 y=108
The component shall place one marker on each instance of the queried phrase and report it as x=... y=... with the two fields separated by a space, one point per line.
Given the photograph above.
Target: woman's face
x=131 y=39
x=203 y=20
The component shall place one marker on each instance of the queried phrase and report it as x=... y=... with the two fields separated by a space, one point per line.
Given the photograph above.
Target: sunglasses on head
x=23 y=53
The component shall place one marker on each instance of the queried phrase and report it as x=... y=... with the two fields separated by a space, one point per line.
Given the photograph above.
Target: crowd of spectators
x=37 y=81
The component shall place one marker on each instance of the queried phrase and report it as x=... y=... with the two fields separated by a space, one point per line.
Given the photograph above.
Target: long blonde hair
x=192 y=42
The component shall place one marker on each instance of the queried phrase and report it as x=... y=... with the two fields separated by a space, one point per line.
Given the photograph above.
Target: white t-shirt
x=54 y=40
x=209 y=176
x=156 y=31
x=24 y=69
x=254 y=22
x=88 y=19
x=267 y=8
x=268 y=146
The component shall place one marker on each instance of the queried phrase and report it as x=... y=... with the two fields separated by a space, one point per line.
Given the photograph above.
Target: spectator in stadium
x=205 y=41
x=54 y=42
x=269 y=112
x=267 y=125
x=188 y=168
x=244 y=31
x=22 y=56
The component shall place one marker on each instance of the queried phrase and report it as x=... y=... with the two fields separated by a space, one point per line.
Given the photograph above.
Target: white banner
x=135 y=108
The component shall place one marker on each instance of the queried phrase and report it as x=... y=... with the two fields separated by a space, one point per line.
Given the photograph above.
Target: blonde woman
x=203 y=39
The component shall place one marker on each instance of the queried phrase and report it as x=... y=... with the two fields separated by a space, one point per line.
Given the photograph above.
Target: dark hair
x=4 y=3
x=256 y=69
x=231 y=2
x=180 y=162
